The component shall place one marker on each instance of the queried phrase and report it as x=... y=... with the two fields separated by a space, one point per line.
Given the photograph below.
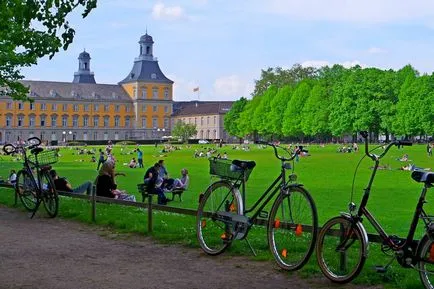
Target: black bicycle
x=292 y=222
x=34 y=184
x=343 y=242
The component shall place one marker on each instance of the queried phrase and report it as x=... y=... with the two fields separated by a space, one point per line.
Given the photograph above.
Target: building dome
x=84 y=54
x=146 y=38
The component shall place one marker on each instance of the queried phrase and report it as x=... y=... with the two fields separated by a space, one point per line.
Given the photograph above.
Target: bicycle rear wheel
x=292 y=228
x=341 y=250
x=426 y=261
x=49 y=194
x=26 y=190
x=215 y=235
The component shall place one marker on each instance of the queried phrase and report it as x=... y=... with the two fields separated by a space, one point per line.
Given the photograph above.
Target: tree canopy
x=184 y=131
x=29 y=30
x=336 y=101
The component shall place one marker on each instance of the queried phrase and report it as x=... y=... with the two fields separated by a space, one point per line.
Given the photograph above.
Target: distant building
x=138 y=107
x=206 y=115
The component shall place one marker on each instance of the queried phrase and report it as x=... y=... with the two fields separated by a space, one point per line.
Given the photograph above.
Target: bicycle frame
x=277 y=186
x=363 y=210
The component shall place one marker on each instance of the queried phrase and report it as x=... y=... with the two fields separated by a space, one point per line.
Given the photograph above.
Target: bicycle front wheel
x=341 y=250
x=213 y=234
x=49 y=195
x=26 y=190
x=426 y=261
x=292 y=228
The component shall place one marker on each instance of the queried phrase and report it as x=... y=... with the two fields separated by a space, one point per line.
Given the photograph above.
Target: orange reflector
x=232 y=208
x=284 y=252
x=203 y=223
x=276 y=223
x=298 y=230
x=431 y=253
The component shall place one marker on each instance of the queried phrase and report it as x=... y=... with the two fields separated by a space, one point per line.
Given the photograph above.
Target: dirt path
x=55 y=253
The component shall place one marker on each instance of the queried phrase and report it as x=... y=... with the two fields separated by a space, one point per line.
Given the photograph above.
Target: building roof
x=67 y=90
x=146 y=70
x=190 y=108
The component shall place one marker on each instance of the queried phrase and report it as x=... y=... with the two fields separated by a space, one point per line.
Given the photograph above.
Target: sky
x=221 y=46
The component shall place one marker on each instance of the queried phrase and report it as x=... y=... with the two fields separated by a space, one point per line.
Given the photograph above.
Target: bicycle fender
x=237 y=194
x=362 y=230
x=294 y=186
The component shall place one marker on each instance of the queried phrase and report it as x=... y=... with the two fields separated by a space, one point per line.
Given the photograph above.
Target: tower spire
x=84 y=75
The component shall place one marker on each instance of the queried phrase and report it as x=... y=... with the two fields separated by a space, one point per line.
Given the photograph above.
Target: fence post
x=93 y=201
x=149 y=213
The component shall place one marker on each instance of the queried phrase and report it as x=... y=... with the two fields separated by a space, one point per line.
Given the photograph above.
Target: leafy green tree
x=262 y=112
x=316 y=112
x=184 y=131
x=30 y=30
x=280 y=77
x=232 y=117
x=293 y=113
x=278 y=106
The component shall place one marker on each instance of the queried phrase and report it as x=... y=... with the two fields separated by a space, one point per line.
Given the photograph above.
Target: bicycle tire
x=292 y=228
x=26 y=190
x=425 y=264
x=215 y=236
x=341 y=265
x=49 y=195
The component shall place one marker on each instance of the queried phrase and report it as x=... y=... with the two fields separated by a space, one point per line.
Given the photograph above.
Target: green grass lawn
x=326 y=174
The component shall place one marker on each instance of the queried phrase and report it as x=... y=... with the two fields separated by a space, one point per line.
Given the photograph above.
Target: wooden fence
x=150 y=206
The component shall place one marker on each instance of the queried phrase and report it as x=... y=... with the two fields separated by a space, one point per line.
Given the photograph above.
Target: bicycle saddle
x=37 y=150
x=423 y=177
x=244 y=164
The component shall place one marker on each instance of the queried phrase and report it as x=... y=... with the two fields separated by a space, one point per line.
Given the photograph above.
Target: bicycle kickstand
x=383 y=269
x=251 y=248
x=36 y=208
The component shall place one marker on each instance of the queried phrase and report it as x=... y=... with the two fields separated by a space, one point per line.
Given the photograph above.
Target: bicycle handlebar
x=33 y=143
x=275 y=151
x=374 y=157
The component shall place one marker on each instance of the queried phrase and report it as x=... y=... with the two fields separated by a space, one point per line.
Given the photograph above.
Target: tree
x=232 y=117
x=293 y=113
x=184 y=131
x=30 y=30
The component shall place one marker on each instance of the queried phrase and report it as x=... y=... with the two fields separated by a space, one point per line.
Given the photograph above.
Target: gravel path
x=55 y=253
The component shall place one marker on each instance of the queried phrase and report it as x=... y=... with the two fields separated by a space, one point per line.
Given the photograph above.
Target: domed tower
x=84 y=75
x=151 y=92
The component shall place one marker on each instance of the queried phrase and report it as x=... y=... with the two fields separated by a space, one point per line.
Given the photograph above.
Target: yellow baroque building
x=138 y=107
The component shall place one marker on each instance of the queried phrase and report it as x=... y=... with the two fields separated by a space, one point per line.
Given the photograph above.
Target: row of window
x=86 y=107
x=84 y=121
x=75 y=107
x=202 y=120
x=143 y=92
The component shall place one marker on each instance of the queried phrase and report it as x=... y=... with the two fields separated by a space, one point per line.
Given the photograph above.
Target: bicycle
x=34 y=188
x=343 y=243
x=292 y=222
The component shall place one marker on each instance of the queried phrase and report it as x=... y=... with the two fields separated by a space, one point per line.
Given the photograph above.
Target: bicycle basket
x=226 y=170
x=43 y=158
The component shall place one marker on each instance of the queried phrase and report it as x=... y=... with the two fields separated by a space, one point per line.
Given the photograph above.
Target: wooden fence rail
x=150 y=206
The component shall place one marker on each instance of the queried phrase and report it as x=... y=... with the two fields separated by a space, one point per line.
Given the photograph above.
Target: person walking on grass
x=101 y=159
x=140 y=157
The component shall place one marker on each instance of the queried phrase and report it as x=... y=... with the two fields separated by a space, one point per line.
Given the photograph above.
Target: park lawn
x=327 y=175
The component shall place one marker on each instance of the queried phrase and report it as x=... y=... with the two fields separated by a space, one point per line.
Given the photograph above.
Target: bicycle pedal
x=380 y=269
x=263 y=214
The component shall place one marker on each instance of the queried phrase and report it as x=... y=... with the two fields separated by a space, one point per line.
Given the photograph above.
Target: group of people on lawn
x=156 y=178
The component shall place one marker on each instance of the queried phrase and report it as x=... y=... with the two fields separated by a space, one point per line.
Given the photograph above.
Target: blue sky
x=221 y=45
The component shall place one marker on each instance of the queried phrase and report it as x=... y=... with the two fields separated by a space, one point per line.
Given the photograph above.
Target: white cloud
x=232 y=87
x=163 y=12
x=321 y=63
x=368 y=11
x=376 y=50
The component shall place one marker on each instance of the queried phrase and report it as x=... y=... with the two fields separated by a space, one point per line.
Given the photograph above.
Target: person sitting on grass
x=133 y=163
x=62 y=184
x=183 y=182
x=12 y=179
x=106 y=185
